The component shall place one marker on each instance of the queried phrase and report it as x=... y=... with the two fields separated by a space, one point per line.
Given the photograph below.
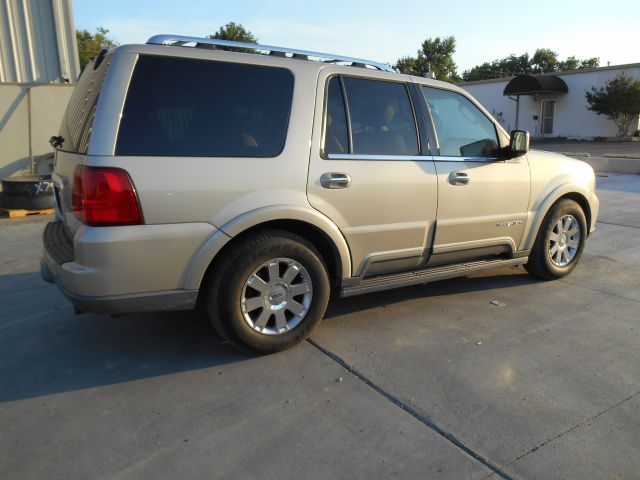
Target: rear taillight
x=104 y=196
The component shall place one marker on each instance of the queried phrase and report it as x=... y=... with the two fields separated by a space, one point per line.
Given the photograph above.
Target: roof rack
x=179 y=40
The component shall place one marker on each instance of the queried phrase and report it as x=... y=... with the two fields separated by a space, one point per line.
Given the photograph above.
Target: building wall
x=572 y=118
x=18 y=142
x=37 y=41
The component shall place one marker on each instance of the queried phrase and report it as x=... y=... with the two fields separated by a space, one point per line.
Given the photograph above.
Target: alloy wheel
x=564 y=241
x=276 y=296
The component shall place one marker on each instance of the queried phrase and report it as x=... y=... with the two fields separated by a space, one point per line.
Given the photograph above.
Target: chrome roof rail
x=179 y=40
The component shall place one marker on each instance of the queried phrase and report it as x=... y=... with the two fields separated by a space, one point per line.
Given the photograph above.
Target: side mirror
x=519 y=142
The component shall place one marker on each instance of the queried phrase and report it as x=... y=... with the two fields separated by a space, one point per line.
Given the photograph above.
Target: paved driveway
x=595 y=149
x=424 y=382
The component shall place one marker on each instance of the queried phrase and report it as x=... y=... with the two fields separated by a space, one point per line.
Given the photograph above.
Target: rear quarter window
x=77 y=123
x=187 y=107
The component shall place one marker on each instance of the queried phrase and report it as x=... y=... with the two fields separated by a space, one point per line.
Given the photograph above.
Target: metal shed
x=37 y=42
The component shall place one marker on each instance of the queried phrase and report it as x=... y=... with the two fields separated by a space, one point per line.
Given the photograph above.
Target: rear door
x=482 y=200
x=370 y=171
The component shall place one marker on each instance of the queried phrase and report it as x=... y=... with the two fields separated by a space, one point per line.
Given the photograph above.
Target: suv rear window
x=186 y=107
x=77 y=122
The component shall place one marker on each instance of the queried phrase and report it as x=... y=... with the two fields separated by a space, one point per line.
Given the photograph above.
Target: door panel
x=490 y=210
x=387 y=210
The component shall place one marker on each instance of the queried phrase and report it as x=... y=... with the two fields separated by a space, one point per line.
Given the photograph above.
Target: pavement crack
x=422 y=418
x=617 y=224
x=593 y=289
x=575 y=427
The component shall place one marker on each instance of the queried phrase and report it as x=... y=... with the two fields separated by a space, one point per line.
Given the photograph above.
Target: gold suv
x=254 y=182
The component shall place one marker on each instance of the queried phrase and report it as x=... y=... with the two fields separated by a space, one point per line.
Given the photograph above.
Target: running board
x=426 y=275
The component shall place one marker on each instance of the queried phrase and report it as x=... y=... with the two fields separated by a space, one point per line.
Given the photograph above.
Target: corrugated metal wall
x=37 y=42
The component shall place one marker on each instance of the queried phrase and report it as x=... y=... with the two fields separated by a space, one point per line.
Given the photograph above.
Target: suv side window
x=461 y=128
x=187 y=107
x=381 y=118
x=336 y=135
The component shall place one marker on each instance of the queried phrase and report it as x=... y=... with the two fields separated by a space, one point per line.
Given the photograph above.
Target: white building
x=551 y=105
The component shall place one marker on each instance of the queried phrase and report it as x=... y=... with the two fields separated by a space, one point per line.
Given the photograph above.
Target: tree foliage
x=618 y=100
x=90 y=44
x=544 y=60
x=434 y=57
x=235 y=32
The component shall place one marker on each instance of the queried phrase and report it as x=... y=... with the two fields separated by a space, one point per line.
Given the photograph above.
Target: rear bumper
x=123 y=269
x=119 y=304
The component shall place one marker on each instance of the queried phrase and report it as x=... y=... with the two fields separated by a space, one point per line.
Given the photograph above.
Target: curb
x=632 y=156
x=576 y=154
x=614 y=164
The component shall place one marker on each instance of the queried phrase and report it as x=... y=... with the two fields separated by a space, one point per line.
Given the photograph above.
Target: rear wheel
x=560 y=241
x=268 y=292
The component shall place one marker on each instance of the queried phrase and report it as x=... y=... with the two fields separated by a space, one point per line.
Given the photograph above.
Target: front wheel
x=269 y=292
x=560 y=241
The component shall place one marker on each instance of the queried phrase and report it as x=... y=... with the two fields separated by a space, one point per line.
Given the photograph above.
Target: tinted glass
x=77 y=122
x=336 y=136
x=185 y=107
x=462 y=129
x=382 y=120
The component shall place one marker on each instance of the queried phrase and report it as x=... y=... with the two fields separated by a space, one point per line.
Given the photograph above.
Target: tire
x=25 y=202
x=558 y=247
x=29 y=185
x=253 y=298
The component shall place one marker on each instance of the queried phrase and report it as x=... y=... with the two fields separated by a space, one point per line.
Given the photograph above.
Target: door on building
x=548 y=108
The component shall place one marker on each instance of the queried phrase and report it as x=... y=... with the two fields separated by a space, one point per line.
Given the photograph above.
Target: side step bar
x=426 y=275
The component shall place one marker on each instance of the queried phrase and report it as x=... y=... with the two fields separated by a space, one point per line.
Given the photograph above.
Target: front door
x=367 y=172
x=482 y=200
x=548 y=109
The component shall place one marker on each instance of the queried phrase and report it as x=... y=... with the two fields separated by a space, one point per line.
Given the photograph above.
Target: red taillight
x=104 y=196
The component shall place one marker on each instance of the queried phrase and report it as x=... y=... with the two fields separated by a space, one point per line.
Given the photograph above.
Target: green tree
x=235 y=32
x=593 y=62
x=435 y=56
x=544 y=60
x=507 y=67
x=572 y=63
x=90 y=44
x=618 y=100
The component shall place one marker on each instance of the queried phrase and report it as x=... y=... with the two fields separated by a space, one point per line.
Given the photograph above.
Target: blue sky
x=387 y=30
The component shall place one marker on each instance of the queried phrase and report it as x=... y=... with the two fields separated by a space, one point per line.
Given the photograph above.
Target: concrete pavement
x=604 y=157
x=424 y=382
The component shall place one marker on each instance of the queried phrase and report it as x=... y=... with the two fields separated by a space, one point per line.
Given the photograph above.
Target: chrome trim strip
x=445 y=158
x=355 y=156
x=180 y=40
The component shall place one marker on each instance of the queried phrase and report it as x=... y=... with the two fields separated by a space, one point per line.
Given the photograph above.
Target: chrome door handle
x=458 y=178
x=335 y=180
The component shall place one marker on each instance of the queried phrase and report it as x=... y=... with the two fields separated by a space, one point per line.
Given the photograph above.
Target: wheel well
x=309 y=232
x=584 y=204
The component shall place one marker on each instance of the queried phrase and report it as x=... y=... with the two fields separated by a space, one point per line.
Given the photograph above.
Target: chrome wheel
x=564 y=241
x=276 y=296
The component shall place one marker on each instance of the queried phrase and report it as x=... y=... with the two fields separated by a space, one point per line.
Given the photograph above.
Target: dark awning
x=533 y=84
